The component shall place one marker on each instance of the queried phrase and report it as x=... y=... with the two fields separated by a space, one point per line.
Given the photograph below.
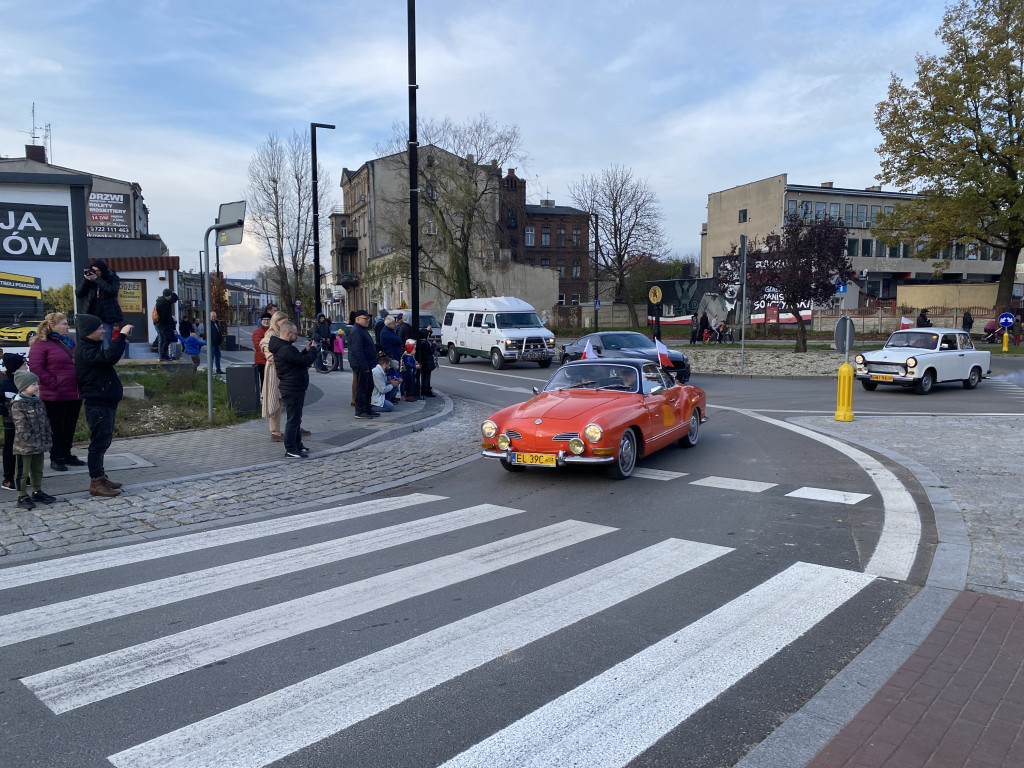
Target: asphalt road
x=674 y=619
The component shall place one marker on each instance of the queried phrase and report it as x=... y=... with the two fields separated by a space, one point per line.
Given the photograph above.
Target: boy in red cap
x=410 y=372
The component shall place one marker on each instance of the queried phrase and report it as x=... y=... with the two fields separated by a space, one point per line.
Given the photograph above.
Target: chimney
x=826 y=185
x=470 y=159
x=876 y=188
x=35 y=152
x=547 y=203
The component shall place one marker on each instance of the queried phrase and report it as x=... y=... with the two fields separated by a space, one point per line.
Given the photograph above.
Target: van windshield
x=518 y=320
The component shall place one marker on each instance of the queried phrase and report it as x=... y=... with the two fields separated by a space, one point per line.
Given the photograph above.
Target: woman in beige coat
x=271 y=388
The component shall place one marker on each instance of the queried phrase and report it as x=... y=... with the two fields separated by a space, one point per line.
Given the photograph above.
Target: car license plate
x=534 y=459
x=880 y=377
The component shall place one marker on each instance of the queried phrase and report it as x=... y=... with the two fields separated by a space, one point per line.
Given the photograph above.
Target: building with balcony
x=758 y=208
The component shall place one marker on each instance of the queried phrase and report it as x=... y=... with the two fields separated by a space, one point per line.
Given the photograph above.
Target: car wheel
x=508 y=466
x=453 y=355
x=625 y=461
x=870 y=386
x=565 y=359
x=690 y=438
x=31 y=335
x=497 y=359
x=544 y=363
x=924 y=385
x=972 y=381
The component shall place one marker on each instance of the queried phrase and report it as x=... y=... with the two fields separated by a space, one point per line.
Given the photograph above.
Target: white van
x=505 y=329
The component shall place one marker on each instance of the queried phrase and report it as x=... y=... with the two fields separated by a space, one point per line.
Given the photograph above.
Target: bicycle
x=325 y=361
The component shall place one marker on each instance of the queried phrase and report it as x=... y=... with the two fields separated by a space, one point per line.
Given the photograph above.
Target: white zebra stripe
x=109 y=558
x=657 y=474
x=825 y=494
x=104 y=676
x=609 y=720
x=270 y=727
x=733 y=484
x=48 y=619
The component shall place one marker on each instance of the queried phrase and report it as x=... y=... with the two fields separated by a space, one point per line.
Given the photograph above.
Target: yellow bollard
x=844 y=393
x=1006 y=339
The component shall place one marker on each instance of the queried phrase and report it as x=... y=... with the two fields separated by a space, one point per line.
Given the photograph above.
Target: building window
x=819 y=211
x=561 y=299
x=528 y=236
x=880 y=249
x=560 y=237
x=561 y=267
x=894 y=251
x=958 y=251
x=848 y=217
x=833 y=211
x=862 y=214
x=577 y=236
x=545 y=262
x=575 y=298
x=743 y=216
x=904 y=250
x=431 y=192
x=851 y=247
x=865 y=248
x=791 y=207
x=875 y=210
x=510 y=221
x=805 y=210
x=431 y=227
x=529 y=262
x=545 y=235
x=576 y=268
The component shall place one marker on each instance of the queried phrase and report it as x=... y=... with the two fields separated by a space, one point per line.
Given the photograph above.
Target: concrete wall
x=947 y=295
x=763 y=202
x=537 y=286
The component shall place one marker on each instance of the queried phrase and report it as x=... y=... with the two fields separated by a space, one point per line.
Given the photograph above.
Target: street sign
x=841 y=286
x=1006 y=319
x=597 y=305
x=844 y=335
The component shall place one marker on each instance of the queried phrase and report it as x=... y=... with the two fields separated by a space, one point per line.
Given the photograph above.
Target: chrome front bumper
x=561 y=458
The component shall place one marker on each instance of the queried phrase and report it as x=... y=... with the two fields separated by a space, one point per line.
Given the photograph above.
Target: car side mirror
x=596 y=349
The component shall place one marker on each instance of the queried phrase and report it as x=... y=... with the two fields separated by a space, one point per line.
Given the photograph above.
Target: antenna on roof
x=32 y=133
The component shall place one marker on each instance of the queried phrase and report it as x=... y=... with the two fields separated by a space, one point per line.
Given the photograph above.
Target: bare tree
x=628 y=225
x=459 y=184
x=279 y=199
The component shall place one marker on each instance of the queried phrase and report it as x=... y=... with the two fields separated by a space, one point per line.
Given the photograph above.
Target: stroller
x=993 y=333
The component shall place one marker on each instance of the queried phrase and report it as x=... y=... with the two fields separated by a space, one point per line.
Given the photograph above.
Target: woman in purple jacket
x=52 y=359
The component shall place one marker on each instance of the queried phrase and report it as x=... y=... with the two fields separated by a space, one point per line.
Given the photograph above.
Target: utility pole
x=316 y=218
x=414 y=191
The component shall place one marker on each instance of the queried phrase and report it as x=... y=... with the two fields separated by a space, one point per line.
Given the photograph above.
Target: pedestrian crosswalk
x=608 y=720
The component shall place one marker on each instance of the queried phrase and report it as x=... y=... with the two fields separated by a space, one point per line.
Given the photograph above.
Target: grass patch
x=175 y=400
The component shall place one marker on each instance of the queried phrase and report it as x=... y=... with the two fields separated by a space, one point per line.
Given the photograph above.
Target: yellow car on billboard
x=21 y=300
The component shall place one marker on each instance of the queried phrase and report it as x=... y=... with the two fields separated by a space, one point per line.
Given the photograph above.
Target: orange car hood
x=570 y=405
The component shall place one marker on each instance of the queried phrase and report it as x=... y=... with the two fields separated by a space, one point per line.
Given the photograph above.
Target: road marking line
x=825 y=494
x=102 y=606
x=101 y=677
x=618 y=715
x=658 y=474
x=269 y=728
x=734 y=484
x=896 y=550
x=501 y=387
x=109 y=558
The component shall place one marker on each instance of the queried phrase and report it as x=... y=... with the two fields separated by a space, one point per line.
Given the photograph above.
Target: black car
x=625 y=344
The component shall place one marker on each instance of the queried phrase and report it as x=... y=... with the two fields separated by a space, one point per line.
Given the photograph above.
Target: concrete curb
x=798 y=740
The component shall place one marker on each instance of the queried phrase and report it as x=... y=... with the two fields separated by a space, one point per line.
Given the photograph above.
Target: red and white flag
x=588 y=353
x=662 y=354
x=905 y=322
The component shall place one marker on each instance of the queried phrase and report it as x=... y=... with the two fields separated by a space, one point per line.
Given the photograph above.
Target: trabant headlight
x=489 y=428
x=593 y=433
x=859 y=359
x=576 y=446
x=911 y=362
x=503 y=442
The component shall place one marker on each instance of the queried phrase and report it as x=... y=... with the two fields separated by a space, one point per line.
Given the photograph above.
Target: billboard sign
x=31 y=232
x=109 y=215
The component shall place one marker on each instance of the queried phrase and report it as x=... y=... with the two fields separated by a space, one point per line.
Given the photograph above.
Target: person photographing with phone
x=292 y=368
x=99 y=288
x=101 y=391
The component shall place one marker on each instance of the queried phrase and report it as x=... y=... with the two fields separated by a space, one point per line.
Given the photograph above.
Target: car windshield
x=621 y=378
x=914 y=339
x=626 y=341
x=429 y=321
x=518 y=320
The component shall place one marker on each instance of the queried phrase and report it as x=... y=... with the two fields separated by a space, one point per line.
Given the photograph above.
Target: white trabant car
x=922 y=358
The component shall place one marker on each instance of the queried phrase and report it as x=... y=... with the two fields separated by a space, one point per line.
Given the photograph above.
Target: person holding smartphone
x=99 y=288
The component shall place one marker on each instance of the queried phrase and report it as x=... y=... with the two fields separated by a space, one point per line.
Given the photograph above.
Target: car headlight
x=551 y=342
x=503 y=442
x=576 y=446
x=593 y=433
x=911 y=362
x=489 y=428
x=859 y=359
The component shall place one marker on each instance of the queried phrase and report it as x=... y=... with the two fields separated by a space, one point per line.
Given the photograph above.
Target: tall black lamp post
x=316 y=217
x=414 y=191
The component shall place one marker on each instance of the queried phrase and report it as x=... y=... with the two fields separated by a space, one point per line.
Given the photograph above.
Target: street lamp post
x=414 y=191
x=316 y=215
x=597 y=264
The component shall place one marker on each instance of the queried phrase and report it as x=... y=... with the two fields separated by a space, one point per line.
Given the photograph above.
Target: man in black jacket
x=216 y=336
x=99 y=288
x=362 y=357
x=292 y=369
x=165 y=321
x=101 y=390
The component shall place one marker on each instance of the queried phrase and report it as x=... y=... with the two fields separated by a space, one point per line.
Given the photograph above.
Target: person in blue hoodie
x=193 y=345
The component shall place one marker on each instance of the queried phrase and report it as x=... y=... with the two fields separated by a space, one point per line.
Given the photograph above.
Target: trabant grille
x=565 y=436
x=885 y=367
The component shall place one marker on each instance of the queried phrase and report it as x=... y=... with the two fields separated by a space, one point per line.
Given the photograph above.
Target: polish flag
x=588 y=353
x=905 y=322
x=662 y=354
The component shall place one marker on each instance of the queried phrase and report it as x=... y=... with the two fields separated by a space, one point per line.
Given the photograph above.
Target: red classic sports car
x=607 y=412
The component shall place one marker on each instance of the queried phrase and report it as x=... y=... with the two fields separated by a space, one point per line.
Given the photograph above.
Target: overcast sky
x=695 y=97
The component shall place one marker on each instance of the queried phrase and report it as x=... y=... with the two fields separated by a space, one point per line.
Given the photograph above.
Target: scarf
x=67 y=341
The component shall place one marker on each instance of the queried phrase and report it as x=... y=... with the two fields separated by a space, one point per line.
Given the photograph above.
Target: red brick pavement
x=957 y=702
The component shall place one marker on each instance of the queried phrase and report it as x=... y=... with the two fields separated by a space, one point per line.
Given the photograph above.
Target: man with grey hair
x=292 y=368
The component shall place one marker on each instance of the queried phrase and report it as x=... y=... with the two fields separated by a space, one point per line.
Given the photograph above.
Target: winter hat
x=383 y=313
x=24 y=378
x=265 y=316
x=167 y=293
x=86 y=324
x=12 y=362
